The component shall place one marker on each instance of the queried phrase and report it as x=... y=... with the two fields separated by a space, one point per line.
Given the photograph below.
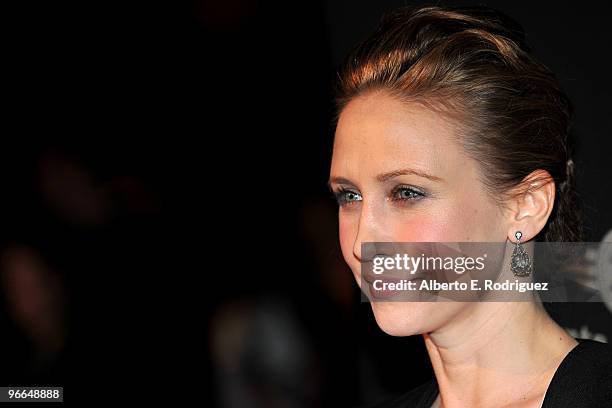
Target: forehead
x=377 y=129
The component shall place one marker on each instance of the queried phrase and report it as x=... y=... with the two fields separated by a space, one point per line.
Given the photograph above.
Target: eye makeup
x=401 y=194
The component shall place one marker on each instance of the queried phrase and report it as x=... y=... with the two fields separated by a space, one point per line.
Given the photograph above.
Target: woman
x=449 y=130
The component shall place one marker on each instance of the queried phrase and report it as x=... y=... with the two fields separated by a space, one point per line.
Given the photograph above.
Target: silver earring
x=520 y=262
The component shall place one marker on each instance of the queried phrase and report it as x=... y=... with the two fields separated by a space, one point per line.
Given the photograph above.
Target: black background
x=220 y=112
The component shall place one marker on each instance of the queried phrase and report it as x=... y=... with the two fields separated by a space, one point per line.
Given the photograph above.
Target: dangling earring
x=520 y=262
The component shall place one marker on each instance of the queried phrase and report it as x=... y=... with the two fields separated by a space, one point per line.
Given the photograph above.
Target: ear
x=531 y=205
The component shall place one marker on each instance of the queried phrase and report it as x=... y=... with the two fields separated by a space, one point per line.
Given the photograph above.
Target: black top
x=582 y=380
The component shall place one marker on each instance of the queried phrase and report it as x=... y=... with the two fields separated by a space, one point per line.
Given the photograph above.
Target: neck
x=496 y=354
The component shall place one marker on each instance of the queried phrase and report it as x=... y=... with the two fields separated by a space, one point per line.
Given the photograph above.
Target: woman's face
x=401 y=176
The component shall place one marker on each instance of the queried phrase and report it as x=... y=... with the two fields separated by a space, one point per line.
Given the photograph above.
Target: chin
x=410 y=318
x=402 y=318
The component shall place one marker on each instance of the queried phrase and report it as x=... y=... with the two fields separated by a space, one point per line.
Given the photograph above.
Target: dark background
x=167 y=233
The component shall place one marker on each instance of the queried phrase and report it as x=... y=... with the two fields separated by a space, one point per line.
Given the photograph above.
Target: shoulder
x=584 y=377
x=422 y=396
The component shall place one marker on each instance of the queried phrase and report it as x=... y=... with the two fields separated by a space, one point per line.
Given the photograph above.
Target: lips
x=395 y=276
x=398 y=295
x=370 y=278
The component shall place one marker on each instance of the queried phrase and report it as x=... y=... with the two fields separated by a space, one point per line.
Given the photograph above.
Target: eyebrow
x=403 y=172
x=388 y=176
x=338 y=180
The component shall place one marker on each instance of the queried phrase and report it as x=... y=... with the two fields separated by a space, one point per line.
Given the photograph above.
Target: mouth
x=378 y=291
x=370 y=278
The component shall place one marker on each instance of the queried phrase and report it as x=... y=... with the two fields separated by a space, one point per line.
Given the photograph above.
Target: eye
x=405 y=194
x=345 y=197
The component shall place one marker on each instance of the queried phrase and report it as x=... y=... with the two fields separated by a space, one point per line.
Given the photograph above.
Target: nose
x=370 y=229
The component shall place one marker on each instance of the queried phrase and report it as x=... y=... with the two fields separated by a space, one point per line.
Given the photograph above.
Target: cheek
x=460 y=222
x=347 y=232
x=426 y=228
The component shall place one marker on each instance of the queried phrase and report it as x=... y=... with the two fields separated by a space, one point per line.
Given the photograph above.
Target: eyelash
x=415 y=195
